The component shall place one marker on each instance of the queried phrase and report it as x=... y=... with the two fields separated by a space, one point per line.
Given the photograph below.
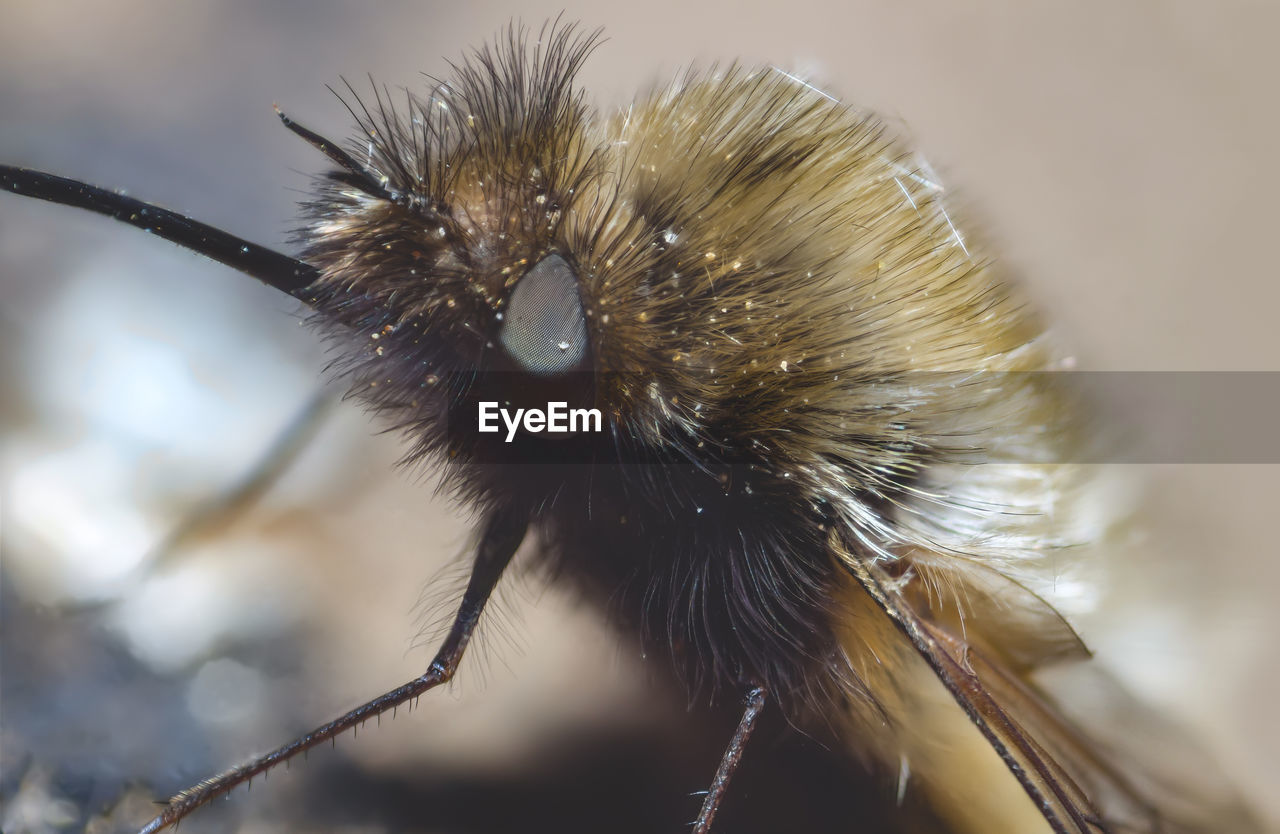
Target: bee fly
x=726 y=361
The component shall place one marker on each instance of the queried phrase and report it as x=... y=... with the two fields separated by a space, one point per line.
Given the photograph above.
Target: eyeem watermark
x=557 y=418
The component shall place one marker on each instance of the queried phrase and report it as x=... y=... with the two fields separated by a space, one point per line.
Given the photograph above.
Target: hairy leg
x=503 y=533
x=729 y=762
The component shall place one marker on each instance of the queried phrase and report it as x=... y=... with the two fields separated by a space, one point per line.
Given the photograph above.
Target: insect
x=727 y=362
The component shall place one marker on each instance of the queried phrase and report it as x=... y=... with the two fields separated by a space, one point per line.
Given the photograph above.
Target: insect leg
x=223 y=509
x=729 y=762
x=502 y=536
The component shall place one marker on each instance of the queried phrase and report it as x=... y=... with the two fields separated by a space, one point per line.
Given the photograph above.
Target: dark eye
x=544 y=328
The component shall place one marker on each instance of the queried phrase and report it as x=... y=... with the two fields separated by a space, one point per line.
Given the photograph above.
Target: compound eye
x=544 y=328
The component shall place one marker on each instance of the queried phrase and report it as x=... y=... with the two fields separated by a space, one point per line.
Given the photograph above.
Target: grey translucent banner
x=1183 y=416
x=1137 y=417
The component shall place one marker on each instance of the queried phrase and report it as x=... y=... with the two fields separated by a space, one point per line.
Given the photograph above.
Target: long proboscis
x=289 y=275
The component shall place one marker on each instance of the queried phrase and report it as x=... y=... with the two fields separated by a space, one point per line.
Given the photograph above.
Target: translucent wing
x=1068 y=776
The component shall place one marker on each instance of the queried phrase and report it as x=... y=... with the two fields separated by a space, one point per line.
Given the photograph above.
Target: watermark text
x=556 y=418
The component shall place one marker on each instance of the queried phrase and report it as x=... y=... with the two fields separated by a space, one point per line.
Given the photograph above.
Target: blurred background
x=1116 y=156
